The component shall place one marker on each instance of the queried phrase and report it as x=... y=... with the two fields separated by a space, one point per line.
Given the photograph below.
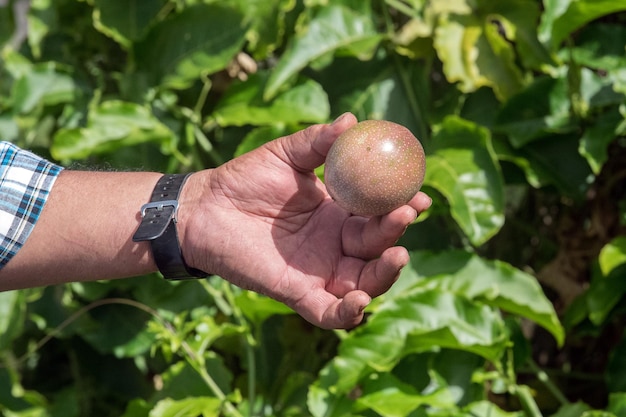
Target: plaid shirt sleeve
x=25 y=182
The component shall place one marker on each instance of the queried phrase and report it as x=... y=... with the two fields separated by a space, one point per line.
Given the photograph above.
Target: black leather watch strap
x=158 y=226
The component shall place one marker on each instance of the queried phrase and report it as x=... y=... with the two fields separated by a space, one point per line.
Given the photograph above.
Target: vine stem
x=545 y=379
x=531 y=409
x=250 y=343
x=226 y=302
x=190 y=356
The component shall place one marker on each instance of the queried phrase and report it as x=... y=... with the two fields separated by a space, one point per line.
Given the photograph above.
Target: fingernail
x=429 y=200
x=338 y=119
x=365 y=306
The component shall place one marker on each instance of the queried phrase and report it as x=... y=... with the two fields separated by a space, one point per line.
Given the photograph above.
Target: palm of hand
x=280 y=234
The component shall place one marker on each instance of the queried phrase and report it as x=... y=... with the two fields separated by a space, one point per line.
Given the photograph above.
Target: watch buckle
x=159 y=205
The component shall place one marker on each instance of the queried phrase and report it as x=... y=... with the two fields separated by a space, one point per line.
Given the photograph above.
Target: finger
x=329 y=312
x=420 y=202
x=306 y=150
x=368 y=238
x=380 y=274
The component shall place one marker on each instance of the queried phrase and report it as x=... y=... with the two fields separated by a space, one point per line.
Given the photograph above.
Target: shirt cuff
x=25 y=183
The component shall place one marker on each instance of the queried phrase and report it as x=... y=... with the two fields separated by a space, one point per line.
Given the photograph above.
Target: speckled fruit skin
x=374 y=167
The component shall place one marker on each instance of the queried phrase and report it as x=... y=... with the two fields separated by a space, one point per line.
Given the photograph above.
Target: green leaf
x=562 y=17
x=597 y=137
x=506 y=152
x=616 y=370
x=605 y=293
x=125 y=21
x=486 y=408
x=243 y=103
x=417 y=322
x=111 y=125
x=617 y=400
x=259 y=137
x=476 y=55
x=42 y=19
x=137 y=407
x=200 y=40
x=268 y=21
x=44 y=85
x=6 y=24
x=543 y=107
x=518 y=20
x=390 y=397
x=181 y=380
x=257 y=308
x=12 y=316
x=334 y=30
x=576 y=409
x=612 y=255
x=376 y=89
x=463 y=167
x=117 y=329
x=556 y=160
x=599 y=46
x=188 y=407
x=495 y=283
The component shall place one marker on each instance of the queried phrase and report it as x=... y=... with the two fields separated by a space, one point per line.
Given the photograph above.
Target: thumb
x=306 y=150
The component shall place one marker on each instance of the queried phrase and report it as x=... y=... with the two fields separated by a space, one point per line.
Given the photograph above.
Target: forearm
x=85 y=231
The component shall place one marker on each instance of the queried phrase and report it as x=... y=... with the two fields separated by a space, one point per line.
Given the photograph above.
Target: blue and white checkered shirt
x=25 y=182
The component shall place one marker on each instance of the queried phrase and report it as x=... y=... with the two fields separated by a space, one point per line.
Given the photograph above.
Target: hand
x=265 y=222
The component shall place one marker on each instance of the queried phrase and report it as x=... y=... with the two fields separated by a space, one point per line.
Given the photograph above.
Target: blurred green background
x=512 y=304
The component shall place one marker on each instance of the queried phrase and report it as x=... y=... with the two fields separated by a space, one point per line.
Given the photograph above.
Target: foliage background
x=513 y=302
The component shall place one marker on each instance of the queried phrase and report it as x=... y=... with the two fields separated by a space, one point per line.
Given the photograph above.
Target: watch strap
x=158 y=226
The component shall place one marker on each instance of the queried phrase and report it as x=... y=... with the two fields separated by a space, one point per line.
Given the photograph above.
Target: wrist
x=159 y=226
x=194 y=237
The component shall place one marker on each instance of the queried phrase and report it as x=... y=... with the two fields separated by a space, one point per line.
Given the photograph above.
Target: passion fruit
x=374 y=167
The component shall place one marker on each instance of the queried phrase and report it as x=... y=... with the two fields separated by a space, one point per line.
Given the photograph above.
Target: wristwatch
x=158 y=226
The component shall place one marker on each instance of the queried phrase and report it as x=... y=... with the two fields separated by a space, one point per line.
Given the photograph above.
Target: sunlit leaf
x=612 y=255
x=462 y=166
x=44 y=85
x=188 y=407
x=258 y=308
x=335 y=29
x=200 y=40
x=493 y=282
x=388 y=396
x=475 y=55
x=110 y=126
x=414 y=323
x=260 y=136
x=268 y=21
x=125 y=21
x=562 y=17
x=518 y=20
x=243 y=103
